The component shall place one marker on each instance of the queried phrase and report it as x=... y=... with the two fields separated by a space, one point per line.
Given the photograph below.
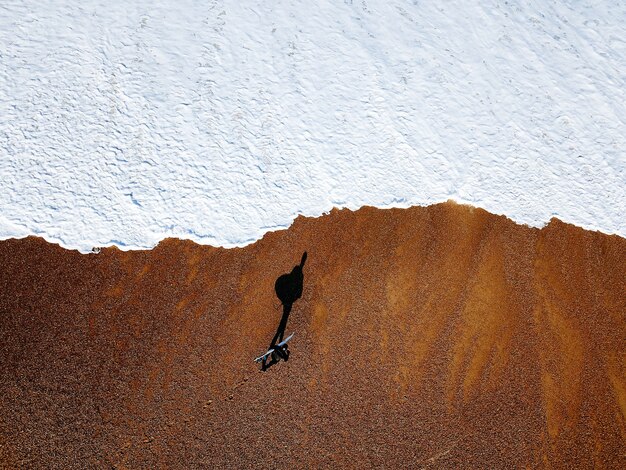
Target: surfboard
x=280 y=345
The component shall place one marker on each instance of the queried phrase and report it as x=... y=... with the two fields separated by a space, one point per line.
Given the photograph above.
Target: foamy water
x=218 y=121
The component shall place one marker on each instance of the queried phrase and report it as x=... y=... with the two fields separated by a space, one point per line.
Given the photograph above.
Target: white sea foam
x=123 y=123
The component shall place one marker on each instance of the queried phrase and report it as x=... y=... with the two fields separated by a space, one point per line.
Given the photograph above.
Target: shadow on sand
x=288 y=288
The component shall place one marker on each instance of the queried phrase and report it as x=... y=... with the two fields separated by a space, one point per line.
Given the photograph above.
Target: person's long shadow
x=288 y=288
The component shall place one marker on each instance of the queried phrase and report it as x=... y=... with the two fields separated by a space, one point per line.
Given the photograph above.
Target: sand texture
x=435 y=337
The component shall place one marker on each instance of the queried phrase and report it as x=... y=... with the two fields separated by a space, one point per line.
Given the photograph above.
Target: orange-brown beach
x=436 y=337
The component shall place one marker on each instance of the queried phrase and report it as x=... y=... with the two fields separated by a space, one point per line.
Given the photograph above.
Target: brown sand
x=439 y=337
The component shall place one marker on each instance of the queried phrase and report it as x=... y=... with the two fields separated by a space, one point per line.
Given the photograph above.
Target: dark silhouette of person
x=288 y=289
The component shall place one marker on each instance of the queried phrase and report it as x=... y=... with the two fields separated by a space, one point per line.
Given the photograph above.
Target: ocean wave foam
x=217 y=121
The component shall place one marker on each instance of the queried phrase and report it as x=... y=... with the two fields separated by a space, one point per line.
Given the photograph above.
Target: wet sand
x=437 y=337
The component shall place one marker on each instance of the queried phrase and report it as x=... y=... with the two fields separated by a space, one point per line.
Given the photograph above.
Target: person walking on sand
x=288 y=289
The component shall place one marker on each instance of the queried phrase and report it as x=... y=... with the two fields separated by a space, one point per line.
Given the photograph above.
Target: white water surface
x=127 y=122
